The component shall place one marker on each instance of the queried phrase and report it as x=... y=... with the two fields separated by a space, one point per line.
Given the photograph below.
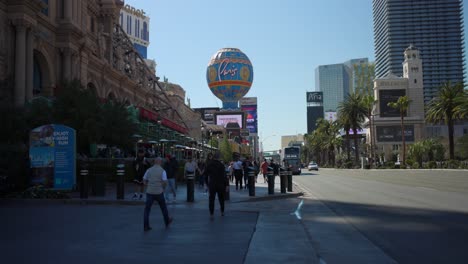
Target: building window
x=37 y=77
x=396 y=147
x=145 y=31
x=121 y=19
x=136 y=27
x=130 y=26
x=45 y=11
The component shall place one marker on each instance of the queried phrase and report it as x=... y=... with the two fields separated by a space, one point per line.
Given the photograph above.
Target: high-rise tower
x=434 y=26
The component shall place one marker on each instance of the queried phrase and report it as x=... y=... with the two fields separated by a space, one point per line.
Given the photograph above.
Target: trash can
x=190 y=187
x=271 y=181
x=251 y=175
x=120 y=172
x=283 y=180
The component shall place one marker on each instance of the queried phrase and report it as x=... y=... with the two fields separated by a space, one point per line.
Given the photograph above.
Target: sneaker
x=141 y=196
x=135 y=196
x=170 y=222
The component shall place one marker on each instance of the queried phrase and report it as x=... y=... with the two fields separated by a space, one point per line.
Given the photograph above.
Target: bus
x=292 y=159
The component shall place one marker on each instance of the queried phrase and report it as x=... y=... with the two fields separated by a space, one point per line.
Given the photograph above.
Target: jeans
x=149 y=202
x=238 y=176
x=170 y=187
x=213 y=191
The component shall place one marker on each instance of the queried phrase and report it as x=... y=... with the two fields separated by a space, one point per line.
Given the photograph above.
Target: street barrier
x=289 y=175
x=271 y=181
x=120 y=172
x=283 y=180
x=190 y=187
x=251 y=175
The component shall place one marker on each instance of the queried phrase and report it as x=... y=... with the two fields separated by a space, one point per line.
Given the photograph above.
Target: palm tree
x=462 y=108
x=344 y=122
x=447 y=107
x=402 y=104
x=369 y=102
x=353 y=111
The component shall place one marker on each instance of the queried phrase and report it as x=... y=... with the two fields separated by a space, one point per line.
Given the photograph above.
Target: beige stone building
x=386 y=125
x=44 y=43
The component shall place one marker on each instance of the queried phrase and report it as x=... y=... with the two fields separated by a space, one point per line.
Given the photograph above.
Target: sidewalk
x=101 y=230
x=261 y=194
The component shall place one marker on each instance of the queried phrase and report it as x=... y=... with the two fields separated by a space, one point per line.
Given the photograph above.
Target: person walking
x=264 y=169
x=140 y=165
x=155 y=179
x=218 y=183
x=170 y=172
x=246 y=165
x=237 y=166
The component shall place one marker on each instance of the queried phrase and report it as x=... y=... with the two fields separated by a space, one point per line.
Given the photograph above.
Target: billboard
x=52 y=156
x=393 y=133
x=313 y=113
x=207 y=114
x=314 y=97
x=387 y=96
x=248 y=101
x=251 y=118
x=223 y=118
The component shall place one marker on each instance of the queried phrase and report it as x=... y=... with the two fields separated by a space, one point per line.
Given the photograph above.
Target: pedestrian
x=217 y=181
x=201 y=178
x=170 y=172
x=237 y=166
x=190 y=167
x=246 y=167
x=155 y=180
x=140 y=165
x=264 y=169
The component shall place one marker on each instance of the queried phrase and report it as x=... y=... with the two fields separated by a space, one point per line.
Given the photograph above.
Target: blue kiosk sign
x=52 y=155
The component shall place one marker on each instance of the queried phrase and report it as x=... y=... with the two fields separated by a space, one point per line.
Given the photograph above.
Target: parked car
x=312 y=166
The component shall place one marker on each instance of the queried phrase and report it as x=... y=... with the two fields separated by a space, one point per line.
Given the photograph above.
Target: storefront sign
x=393 y=133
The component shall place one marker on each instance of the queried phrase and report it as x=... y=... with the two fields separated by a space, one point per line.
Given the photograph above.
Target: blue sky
x=285 y=41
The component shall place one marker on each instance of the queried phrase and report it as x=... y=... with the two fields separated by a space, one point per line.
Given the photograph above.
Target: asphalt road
x=413 y=216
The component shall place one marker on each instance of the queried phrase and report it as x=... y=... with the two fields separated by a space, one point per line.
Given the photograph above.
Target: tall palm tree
x=369 y=102
x=462 y=102
x=352 y=109
x=346 y=125
x=402 y=104
x=447 y=107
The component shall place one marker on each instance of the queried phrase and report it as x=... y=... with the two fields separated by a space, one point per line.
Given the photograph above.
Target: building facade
x=46 y=43
x=314 y=109
x=435 y=27
x=386 y=130
x=136 y=23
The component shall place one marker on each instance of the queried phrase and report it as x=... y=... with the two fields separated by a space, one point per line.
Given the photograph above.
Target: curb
x=271 y=197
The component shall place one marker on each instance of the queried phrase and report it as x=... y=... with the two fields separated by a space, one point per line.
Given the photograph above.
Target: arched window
x=37 y=77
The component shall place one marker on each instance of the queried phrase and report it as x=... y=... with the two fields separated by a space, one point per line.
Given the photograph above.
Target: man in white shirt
x=237 y=166
x=189 y=173
x=155 y=179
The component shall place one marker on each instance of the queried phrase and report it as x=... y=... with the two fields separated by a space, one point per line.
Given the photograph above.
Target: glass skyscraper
x=334 y=81
x=433 y=26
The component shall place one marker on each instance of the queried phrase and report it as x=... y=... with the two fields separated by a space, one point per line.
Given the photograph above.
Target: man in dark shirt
x=170 y=169
x=217 y=181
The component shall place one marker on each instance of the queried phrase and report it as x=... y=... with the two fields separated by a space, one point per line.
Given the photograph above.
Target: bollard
x=283 y=179
x=190 y=187
x=290 y=189
x=251 y=175
x=120 y=181
x=84 y=182
x=271 y=181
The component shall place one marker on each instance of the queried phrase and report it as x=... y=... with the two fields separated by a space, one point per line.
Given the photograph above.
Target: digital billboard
x=393 y=133
x=387 y=96
x=313 y=113
x=251 y=118
x=207 y=114
x=222 y=119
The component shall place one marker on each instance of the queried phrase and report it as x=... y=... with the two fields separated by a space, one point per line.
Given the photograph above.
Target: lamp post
x=202 y=128
x=263 y=140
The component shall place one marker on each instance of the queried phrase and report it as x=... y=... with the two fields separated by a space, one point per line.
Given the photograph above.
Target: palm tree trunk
x=403 y=140
x=356 y=147
x=348 y=146
x=451 y=143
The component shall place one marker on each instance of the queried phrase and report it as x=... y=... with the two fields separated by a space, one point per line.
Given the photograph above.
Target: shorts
x=138 y=180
